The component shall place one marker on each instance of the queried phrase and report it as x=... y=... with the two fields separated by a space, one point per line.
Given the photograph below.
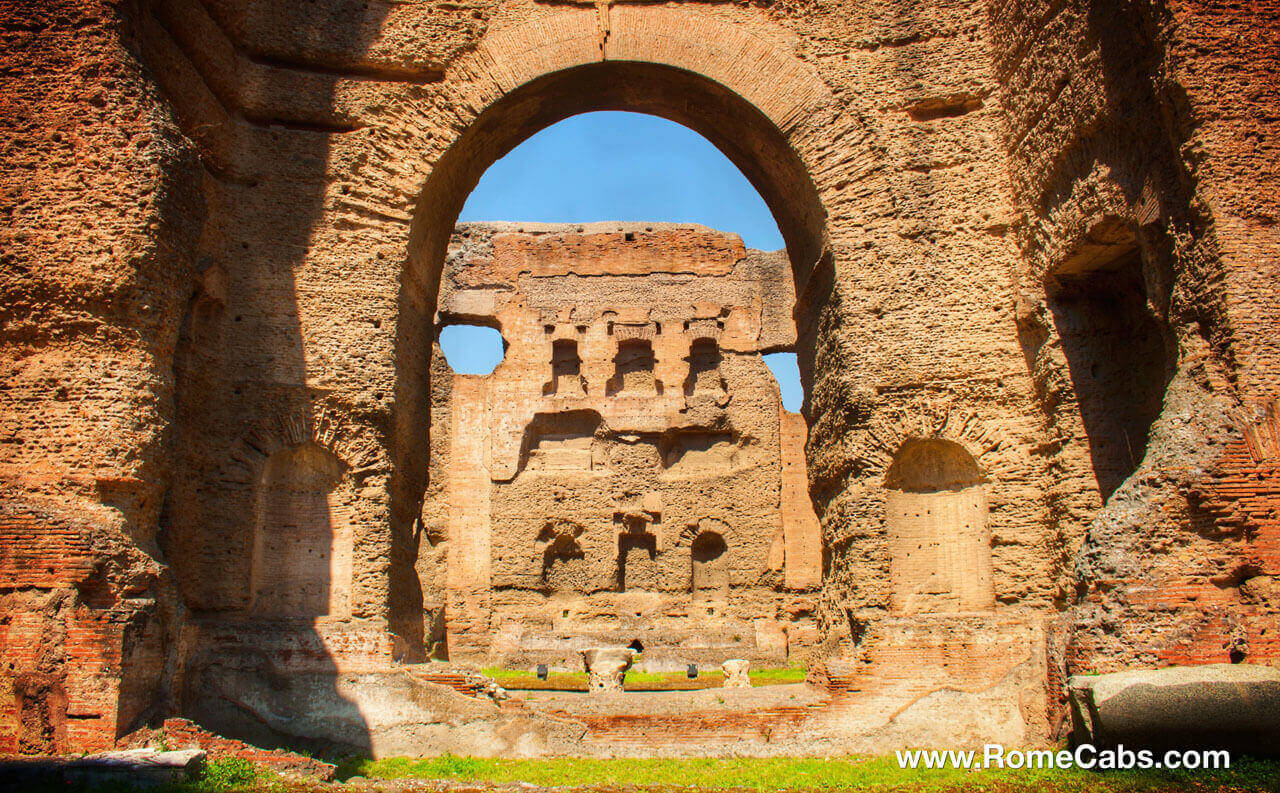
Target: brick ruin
x=1030 y=268
x=628 y=473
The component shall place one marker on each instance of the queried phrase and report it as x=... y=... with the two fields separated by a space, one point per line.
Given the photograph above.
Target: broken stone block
x=136 y=767
x=606 y=667
x=1232 y=706
x=736 y=673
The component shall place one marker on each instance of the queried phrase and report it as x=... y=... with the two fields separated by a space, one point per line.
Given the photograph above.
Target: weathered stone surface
x=627 y=474
x=383 y=713
x=736 y=673
x=138 y=767
x=606 y=668
x=1033 y=255
x=1236 y=706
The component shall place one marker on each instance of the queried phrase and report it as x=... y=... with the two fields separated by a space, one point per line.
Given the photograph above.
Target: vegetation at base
x=880 y=774
x=788 y=674
x=636 y=679
x=227 y=773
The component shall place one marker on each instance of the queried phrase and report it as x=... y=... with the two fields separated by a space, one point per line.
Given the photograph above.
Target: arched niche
x=936 y=519
x=704 y=369
x=564 y=565
x=302 y=535
x=709 y=566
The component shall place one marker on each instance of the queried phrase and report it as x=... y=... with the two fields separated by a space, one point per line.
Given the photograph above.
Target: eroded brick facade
x=1041 y=232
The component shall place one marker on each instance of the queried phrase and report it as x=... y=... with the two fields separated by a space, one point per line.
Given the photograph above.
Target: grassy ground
x=879 y=774
x=767 y=774
x=637 y=680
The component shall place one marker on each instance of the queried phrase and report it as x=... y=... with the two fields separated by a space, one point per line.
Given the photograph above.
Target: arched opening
x=936 y=519
x=607 y=166
x=709 y=557
x=302 y=536
x=634 y=355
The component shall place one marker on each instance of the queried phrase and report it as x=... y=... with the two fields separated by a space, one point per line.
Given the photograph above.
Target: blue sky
x=617 y=166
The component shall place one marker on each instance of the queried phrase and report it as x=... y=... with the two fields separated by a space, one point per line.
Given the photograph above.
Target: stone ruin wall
x=1147 y=311
x=219 y=249
x=627 y=473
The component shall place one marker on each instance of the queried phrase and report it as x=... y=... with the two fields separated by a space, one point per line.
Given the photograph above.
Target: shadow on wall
x=1118 y=350
x=267 y=676
x=257 y=525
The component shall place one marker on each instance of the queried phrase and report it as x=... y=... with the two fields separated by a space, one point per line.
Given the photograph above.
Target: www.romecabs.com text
x=1086 y=756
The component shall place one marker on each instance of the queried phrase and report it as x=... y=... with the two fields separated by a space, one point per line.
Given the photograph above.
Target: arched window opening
x=302 y=537
x=566 y=370
x=472 y=349
x=710 y=567
x=633 y=370
x=704 y=370
x=936 y=518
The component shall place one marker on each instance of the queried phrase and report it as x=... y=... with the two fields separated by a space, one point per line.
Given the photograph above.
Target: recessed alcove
x=936 y=525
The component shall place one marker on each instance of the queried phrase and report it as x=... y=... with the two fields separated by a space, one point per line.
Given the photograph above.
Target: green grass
x=790 y=674
x=636 y=678
x=879 y=774
x=767 y=774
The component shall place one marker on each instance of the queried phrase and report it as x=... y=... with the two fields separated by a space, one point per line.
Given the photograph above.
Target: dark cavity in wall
x=1119 y=354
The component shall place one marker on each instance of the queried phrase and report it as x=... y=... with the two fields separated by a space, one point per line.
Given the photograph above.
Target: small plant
x=228 y=773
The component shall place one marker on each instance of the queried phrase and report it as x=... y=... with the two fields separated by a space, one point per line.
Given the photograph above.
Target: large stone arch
x=763 y=107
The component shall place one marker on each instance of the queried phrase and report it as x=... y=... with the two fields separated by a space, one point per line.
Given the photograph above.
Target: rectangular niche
x=638 y=567
x=1119 y=351
x=699 y=452
x=633 y=370
x=562 y=441
x=566 y=371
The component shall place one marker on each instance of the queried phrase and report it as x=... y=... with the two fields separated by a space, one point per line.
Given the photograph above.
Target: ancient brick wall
x=619 y=477
x=101 y=199
x=1143 y=314
x=227 y=220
